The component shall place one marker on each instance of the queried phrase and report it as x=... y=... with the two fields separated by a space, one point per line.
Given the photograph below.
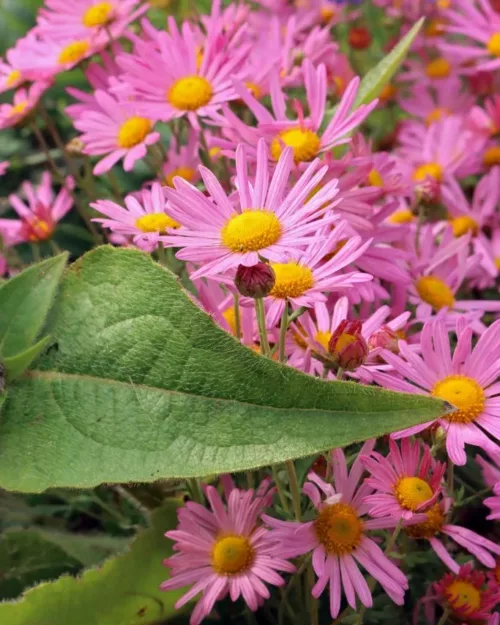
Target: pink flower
x=4 y=166
x=338 y=538
x=182 y=160
x=466 y=378
x=10 y=76
x=116 y=131
x=24 y=101
x=144 y=217
x=39 y=217
x=406 y=481
x=224 y=551
x=271 y=220
x=171 y=82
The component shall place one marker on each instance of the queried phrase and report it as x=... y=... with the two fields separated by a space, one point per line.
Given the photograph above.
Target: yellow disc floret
x=251 y=231
x=292 y=280
x=232 y=555
x=494 y=44
x=438 y=69
x=133 y=131
x=375 y=179
x=436 y=115
x=304 y=143
x=464 y=393
x=429 y=528
x=13 y=78
x=183 y=172
x=464 y=224
x=339 y=529
x=190 y=93
x=98 y=15
x=435 y=292
x=412 y=492
x=428 y=170
x=323 y=338
x=403 y=216
x=463 y=596
x=73 y=52
x=491 y=156
x=156 y=222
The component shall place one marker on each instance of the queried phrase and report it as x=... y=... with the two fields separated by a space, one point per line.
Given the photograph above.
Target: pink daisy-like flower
x=224 y=551
x=182 y=160
x=491 y=475
x=144 y=217
x=407 y=481
x=24 y=101
x=272 y=220
x=171 y=82
x=10 y=76
x=307 y=277
x=4 y=166
x=82 y=18
x=466 y=378
x=116 y=131
x=338 y=538
x=39 y=217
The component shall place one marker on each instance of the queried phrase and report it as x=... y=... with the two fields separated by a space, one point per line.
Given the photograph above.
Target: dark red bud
x=256 y=281
x=359 y=38
x=348 y=348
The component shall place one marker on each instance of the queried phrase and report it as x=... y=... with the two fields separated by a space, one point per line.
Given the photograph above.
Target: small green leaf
x=375 y=80
x=123 y=591
x=25 y=301
x=145 y=386
x=16 y=365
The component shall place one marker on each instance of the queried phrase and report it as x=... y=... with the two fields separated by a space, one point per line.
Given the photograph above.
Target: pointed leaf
x=124 y=590
x=16 y=365
x=144 y=385
x=25 y=301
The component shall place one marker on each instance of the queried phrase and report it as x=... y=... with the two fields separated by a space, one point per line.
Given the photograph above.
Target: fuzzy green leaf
x=16 y=365
x=143 y=385
x=123 y=591
x=25 y=301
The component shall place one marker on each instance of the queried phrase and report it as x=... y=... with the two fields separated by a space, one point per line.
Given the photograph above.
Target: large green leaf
x=123 y=591
x=15 y=365
x=142 y=384
x=25 y=302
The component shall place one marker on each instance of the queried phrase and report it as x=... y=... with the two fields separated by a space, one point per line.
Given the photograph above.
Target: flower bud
x=256 y=281
x=385 y=338
x=75 y=147
x=347 y=347
x=359 y=38
x=427 y=191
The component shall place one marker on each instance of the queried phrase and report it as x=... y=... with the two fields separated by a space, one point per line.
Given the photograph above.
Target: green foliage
x=141 y=384
x=16 y=365
x=123 y=591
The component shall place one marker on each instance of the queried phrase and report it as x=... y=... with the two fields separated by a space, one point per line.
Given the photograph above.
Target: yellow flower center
x=428 y=170
x=497 y=263
x=254 y=89
x=411 y=492
x=491 y=157
x=251 y=231
x=463 y=224
x=388 y=93
x=438 y=69
x=375 y=179
x=443 y=4
x=215 y=151
x=435 y=27
x=344 y=341
x=156 y=222
x=232 y=555
x=190 y=93
x=323 y=338
x=429 y=528
x=463 y=596
x=230 y=318
x=404 y=216
x=133 y=131
x=39 y=230
x=73 y=52
x=339 y=529
x=494 y=44
x=183 y=172
x=13 y=78
x=326 y=14
x=292 y=280
x=435 y=292
x=98 y=15
x=305 y=144
x=339 y=83
x=18 y=109
x=436 y=115
x=464 y=393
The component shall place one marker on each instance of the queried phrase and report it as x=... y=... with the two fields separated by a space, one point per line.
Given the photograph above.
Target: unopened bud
x=256 y=281
x=359 y=38
x=75 y=146
x=427 y=191
x=348 y=348
x=384 y=338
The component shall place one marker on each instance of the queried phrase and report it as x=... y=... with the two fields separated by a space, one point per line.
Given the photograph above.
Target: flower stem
x=279 y=488
x=340 y=373
x=195 y=490
x=261 y=322
x=313 y=602
x=444 y=618
x=283 y=329
x=294 y=489
x=451 y=477
x=237 y=316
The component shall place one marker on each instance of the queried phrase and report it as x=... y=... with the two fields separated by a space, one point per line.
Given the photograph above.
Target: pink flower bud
x=256 y=281
x=385 y=338
x=347 y=346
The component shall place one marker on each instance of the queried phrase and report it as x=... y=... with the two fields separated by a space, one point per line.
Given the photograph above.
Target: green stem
x=261 y=322
x=340 y=373
x=195 y=490
x=451 y=477
x=237 y=316
x=294 y=489
x=283 y=329
x=444 y=618
x=296 y=314
x=469 y=500
x=35 y=250
x=280 y=489
x=114 y=186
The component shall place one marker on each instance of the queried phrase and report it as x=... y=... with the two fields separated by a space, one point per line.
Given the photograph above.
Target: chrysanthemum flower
x=339 y=538
x=465 y=378
x=82 y=18
x=171 y=81
x=39 y=217
x=116 y=131
x=467 y=595
x=271 y=220
x=144 y=217
x=24 y=101
x=307 y=277
x=10 y=76
x=407 y=481
x=182 y=160
x=224 y=551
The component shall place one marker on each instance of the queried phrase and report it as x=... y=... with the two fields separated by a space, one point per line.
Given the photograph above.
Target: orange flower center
x=339 y=529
